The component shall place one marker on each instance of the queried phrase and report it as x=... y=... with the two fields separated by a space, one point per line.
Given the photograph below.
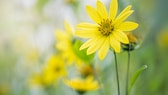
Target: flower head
x=82 y=85
x=86 y=70
x=65 y=44
x=108 y=30
x=53 y=70
x=133 y=42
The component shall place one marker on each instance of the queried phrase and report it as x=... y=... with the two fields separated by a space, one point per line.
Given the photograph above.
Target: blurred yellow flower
x=132 y=38
x=86 y=70
x=108 y=30
x=54 y=70
x=82 y=85
x=65 y=44
x=162 y=39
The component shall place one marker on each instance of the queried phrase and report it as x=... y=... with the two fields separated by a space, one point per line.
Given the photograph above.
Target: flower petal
x=61 y=35
x=93 y=14
x=87 y=30
x=121 y=36
x=86 y=25
x=101 y=9
x=104 y=49
x=125 y=10
x=89 y=42
x=114 y=44
x=113 y=8
x=122 y=17
x=127 y=26
x=95 y=45
x=68 y=27
x=86 y=44
x=87 y=33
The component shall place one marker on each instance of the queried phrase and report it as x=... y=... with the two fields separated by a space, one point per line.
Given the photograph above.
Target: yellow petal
x=61 y=35
x=127 y=26
x=68 y=27
x=87 y=33
x=104 y=49
x=93 y=14
x=121 y=18
x=86 y=25
x=60 y=45
x=95 y=45
x=101 y=9
x=113 y=8
x=86 y=44
x=87 y=30
x=114 y=44
x=89 y=42
x=121 y=36
x=125 y=10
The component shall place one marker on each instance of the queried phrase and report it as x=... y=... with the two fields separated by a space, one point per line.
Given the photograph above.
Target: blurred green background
x=27 y=40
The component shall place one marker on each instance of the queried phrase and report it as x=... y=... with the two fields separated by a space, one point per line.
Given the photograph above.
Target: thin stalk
x=98 y=79
x=127 y=73
x=127 y=77
x=117 y=75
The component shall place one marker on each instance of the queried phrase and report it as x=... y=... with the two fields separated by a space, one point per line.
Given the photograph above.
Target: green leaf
x=82 y=54
x=135 y=76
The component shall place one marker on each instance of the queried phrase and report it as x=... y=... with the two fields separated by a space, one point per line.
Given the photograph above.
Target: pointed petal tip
x=126 y=41
x=117 y=51
x=137 y=25
x=101 y=57
x=88 y=52
x=131 y=11
x=81 y=48
x=129 y=6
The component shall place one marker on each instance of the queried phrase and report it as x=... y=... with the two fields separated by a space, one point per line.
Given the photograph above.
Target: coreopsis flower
x=108 y=29
x=86 y=70
x=54 y=70
x=65 y=40
x=82 y=85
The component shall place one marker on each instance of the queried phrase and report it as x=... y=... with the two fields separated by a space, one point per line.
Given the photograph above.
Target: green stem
x=117 y=75
x=98 y=79
x=127 y=77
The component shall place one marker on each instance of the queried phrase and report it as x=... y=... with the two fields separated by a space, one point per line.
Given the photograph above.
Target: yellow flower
x=82 y=85
x=132 y=38
x=54 y=70
x=86 y=70
x=108 y=30
x=65 y=44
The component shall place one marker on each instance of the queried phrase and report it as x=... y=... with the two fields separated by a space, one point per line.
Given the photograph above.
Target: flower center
x=106 y=26
x=57 y=69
